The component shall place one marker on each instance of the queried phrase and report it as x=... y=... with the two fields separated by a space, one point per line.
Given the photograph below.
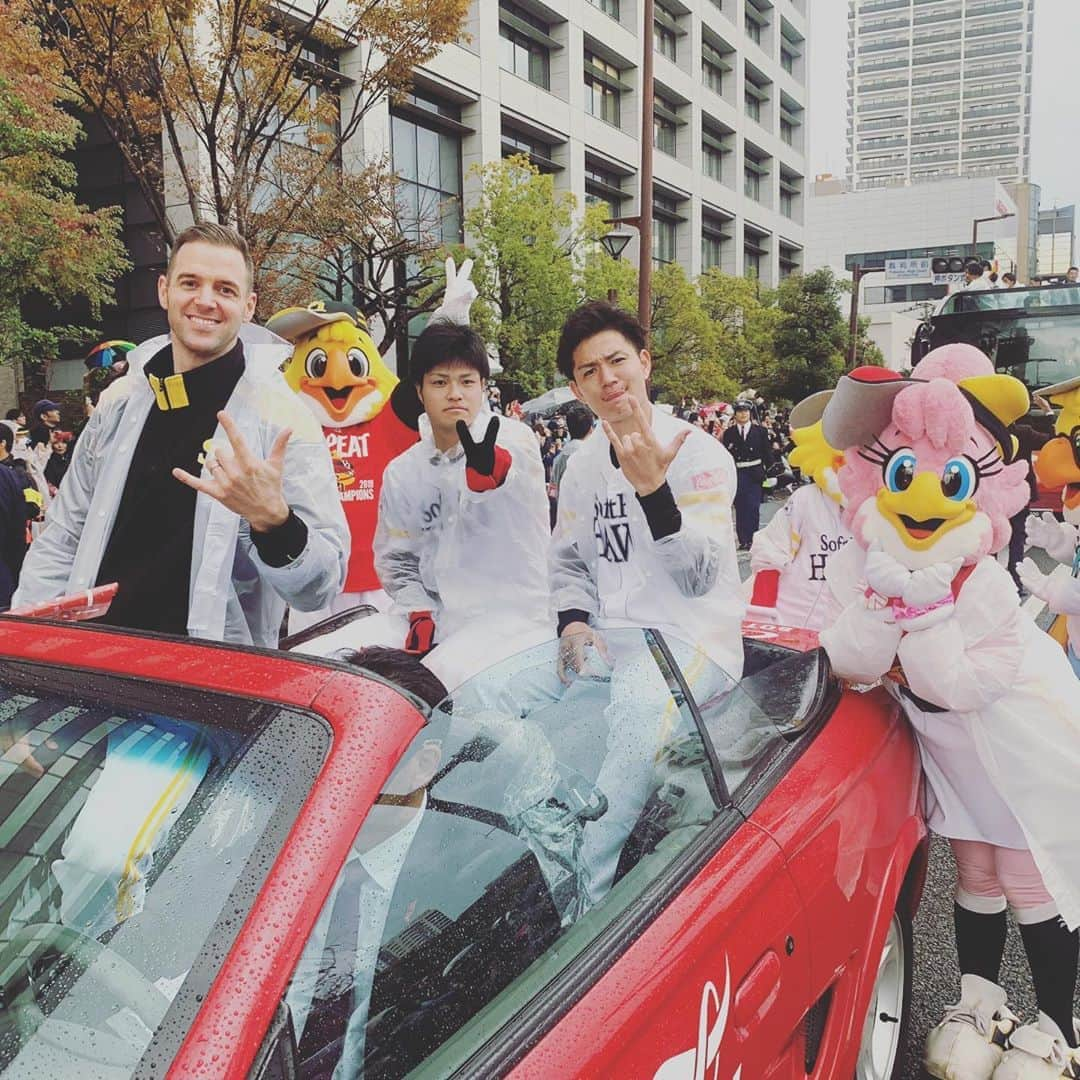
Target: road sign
x=907 y=271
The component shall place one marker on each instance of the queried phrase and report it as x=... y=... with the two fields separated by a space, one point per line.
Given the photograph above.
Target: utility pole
x=645 y=225
x=857 y=274
x=975 y=223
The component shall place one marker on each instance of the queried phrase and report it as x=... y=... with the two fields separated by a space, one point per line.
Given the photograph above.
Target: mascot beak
x=923 y=513
x=339 y=388
x=1058 y=465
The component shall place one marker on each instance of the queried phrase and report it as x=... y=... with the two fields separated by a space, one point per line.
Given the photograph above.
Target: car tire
x=889 y=1015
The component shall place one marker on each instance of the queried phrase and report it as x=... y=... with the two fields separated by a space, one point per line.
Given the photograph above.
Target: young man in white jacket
x=462 y=537
x=201 y=484
x=644 y=538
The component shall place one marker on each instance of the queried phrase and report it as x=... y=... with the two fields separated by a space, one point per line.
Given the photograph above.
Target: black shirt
x=149 y=549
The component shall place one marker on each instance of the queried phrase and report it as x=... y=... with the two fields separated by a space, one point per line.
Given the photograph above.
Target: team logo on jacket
x=611 y=527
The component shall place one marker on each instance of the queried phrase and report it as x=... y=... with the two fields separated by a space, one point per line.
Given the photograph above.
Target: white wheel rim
x=881 y=1031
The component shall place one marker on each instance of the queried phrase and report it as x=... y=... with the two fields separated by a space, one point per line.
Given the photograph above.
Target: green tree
x=536 y=259
x=811 y=339
x=684 y=340
x=745 y=326
x=49 y=244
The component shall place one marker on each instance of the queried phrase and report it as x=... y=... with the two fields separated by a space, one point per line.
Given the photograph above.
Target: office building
x=1057 y=240
x=938 y=88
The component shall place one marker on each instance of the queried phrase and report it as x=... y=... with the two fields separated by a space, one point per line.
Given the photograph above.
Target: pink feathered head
x=948 y=421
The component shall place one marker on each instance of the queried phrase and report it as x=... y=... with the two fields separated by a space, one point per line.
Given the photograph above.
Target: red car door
x=715 y=987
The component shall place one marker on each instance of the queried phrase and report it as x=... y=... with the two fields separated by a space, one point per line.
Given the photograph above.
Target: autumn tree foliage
x=246 y=112
x=49 y=244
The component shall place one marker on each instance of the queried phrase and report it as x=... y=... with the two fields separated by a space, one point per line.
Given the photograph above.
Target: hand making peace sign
x=479 y=456
x=643 y=460
x=243 y=482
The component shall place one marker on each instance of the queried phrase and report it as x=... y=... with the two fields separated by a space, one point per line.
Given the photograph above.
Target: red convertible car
x=232 y=863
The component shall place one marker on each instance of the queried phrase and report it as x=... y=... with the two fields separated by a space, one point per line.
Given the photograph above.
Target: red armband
x=766 y=586
x=478 y=481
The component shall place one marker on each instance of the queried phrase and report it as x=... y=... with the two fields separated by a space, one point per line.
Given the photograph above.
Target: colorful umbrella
x=107 y=354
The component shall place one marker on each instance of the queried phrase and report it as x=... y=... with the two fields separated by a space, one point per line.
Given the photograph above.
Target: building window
x=603 y=187
x=751 y=184
x=713 y=162
x=608 y=7
x=710 y=251
x=541 y=154
x=787 y=60
x=753 y=30
x=755 y=175
x=787 y=131
x=519 y=52
x=427 y=161
x=665 y=125
x=665 y=32
x=665 y=240
x=601 y=89
x=753 y=107
x=755 y=93
x=713 y=66
x=789 y=261
x=752 y=262
x=665 y=41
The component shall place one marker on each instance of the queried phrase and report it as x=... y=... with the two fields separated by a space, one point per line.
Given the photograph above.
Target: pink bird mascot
x=929 y=484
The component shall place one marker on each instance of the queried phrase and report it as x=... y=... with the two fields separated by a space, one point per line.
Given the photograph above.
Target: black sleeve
x=571 y=615
x=280 y=546
x=661 y=512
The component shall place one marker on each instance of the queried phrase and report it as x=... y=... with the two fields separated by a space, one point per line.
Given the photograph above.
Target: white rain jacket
x=234 y=595
x=800 y=541
x=1003 y=681
x=468 y=557
x=1067 y=598
x=604 y=560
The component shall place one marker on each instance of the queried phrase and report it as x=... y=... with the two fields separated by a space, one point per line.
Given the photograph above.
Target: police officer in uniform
x=748 y=443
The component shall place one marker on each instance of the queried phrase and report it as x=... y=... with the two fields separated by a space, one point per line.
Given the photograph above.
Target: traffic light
x=953 y=265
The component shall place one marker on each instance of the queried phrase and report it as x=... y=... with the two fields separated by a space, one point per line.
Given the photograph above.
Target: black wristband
x=282 y=544
x=663 y=516
x=571 y=615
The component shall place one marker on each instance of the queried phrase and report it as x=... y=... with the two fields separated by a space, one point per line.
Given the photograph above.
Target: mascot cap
x=1058 y=389
x=294 y=322
x=810 y=410
x=862 y=405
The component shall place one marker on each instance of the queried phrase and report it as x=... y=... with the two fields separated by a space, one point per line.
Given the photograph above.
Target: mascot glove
x=459 y=296
x=1039 y=584
x=884 y=575
x=758 y=613
x=1057 y=538
x=421 y=636
x=931 y=584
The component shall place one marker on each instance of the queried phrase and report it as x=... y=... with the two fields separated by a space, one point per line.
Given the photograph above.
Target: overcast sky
x=1055 y=119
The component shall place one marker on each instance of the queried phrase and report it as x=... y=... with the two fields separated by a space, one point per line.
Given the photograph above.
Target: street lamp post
x=975 y=223
x=614 y=243
x=857 y=274
x=645 y=227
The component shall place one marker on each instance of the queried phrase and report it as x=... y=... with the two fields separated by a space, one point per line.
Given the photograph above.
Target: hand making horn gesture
x=243 y=482
x=643 y=460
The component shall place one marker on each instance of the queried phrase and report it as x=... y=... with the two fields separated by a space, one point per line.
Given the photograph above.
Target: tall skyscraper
x=938 y=88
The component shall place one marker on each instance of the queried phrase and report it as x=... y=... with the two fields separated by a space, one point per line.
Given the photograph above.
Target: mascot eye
x=358 y=363
x=899 y=470
x=315 y=363
x=959 y=479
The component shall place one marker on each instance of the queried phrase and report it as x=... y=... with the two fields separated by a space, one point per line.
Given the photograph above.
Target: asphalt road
x=936 y=978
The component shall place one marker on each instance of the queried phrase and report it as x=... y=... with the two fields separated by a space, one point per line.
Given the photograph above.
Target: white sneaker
x=969 y=1042
x=1039 y=1052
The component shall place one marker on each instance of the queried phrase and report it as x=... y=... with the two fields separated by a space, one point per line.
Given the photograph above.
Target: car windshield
x=131 y=844
x=542 y=799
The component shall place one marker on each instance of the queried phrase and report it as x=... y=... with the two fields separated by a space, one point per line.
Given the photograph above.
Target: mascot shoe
x=969 y=1042
x=1039 y=1052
